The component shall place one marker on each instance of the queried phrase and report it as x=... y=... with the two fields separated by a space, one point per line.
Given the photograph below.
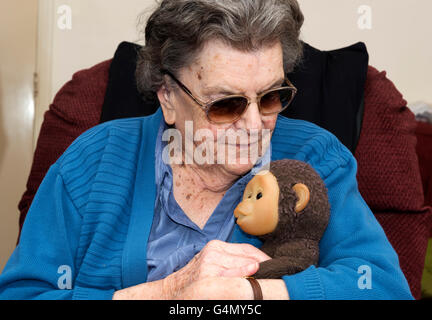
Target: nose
x=245 y=208
x=251 y=118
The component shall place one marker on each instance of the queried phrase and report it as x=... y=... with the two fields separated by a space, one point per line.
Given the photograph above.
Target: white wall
x=17 y=65
x=399 y=40
x=95 y=30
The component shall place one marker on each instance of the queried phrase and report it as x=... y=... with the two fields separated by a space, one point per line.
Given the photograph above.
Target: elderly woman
x=143 y=208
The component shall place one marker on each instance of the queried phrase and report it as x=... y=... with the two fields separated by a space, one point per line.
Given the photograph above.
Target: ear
x=303 y=196
x=165 y=99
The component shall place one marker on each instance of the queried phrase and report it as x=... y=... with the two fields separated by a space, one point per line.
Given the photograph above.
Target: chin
x=239 y=169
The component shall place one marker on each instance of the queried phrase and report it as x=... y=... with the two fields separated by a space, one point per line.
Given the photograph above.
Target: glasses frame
x=205 y=106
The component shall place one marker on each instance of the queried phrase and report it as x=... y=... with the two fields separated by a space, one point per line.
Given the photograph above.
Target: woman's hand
x=214 y=266
x=216 y=273
x=234 y=289
x=217 y=289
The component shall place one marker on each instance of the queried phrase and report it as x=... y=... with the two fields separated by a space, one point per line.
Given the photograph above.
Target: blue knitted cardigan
x=86 y=232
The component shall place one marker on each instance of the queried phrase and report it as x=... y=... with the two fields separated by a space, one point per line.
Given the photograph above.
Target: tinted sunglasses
x=230 y=108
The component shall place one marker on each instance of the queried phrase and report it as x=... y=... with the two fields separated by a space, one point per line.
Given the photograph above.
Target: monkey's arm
x=278 y=267
x=288 y=258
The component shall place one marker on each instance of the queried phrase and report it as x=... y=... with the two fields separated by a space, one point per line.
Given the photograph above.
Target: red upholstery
x=388 y=175
x=424 y=152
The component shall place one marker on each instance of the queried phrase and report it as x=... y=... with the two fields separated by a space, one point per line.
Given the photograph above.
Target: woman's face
x=220 y=71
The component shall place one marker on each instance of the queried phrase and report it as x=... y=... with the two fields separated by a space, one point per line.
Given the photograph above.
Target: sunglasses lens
x=227 y=110
x=230 y=109
x=275 y=101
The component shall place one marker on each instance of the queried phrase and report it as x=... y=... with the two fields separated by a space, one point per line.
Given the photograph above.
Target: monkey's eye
x=250 y=195
x=259 y=195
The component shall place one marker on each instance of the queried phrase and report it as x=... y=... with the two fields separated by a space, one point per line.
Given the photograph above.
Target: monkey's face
x=257 y=214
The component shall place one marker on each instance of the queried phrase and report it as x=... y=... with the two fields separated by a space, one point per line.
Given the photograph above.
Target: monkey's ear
x=303 y=196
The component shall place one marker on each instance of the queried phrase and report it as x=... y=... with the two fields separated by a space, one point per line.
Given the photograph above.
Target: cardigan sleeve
x=356 y=259
x=43 y=264
x=75 y=109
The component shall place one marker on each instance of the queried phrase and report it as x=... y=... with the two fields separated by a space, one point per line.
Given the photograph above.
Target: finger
x=214 y=262
x=244 y=250
x=243 y=271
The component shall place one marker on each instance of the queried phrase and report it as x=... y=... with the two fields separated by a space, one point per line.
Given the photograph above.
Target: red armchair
x=388 y=170
x=424 y=152
x=389 y=176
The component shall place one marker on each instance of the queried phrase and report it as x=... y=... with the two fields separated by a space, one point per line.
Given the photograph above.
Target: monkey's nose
x=243 y=209
x=238 y=213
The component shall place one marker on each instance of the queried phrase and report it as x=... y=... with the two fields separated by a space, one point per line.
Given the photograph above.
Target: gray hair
x=178 y=29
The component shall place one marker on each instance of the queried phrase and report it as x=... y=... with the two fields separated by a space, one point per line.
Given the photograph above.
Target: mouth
x=243 y=145
x=239 y=217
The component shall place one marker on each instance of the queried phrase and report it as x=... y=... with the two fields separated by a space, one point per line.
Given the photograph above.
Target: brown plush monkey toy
x=288 y=209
